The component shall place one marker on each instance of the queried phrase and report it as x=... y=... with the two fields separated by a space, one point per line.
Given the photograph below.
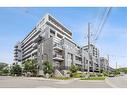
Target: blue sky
x=16 y=23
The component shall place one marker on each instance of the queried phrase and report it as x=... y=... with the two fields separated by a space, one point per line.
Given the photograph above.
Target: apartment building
x=17 y=53
x=52 y=41
x=92 y=58
x=104 y=64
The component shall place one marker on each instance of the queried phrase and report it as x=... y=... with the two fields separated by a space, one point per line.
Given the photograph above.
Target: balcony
x=16 y=46
x=15 y=55
x=58 y=57
x=34 y=45
x=38 y=38
x=78 y=62
x=17 y=49
x=58 y=47
x=15 y=52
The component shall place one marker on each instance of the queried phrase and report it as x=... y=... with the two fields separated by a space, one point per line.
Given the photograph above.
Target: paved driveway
x=24 y=82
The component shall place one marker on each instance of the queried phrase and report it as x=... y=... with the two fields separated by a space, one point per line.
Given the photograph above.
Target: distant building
x=111 y=69
x=17 y=53
x=94 y=57
x=104 y=63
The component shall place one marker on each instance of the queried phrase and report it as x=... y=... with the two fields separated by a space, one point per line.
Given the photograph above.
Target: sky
x=16 y=23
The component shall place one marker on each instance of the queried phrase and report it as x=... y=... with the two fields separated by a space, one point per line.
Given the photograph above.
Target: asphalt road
x=117 y=82
x=24 y=82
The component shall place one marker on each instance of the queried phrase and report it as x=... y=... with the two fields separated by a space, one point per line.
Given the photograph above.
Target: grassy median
x=93 y=78
x=61 y=78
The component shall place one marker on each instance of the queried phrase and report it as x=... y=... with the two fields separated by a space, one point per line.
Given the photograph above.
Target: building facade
x=52 y=41
x=92 y=58
x=104 y=64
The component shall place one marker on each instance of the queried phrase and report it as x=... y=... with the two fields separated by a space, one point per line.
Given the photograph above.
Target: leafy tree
x=16 y=70
x=47 y=68
x=117 y=71
x=5 y=71
x=73 y=68
x=30 y=65
x=2 y=65
x=123 y=70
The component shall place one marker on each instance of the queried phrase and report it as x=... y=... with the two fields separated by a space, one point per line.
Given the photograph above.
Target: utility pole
x=108 y=64
x=88 y=66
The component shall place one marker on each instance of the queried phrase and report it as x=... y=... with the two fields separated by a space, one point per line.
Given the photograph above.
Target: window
x=78 y=58
x=86 y=61
x=52 y=32
x=58 y=35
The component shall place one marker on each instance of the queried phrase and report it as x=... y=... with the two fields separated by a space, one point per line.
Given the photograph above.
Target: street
x=117 y=82
x=29 y=82
x=33 y=82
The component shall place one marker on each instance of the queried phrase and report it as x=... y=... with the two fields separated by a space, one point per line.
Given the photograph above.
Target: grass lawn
x=94 y=78
x=61 y=78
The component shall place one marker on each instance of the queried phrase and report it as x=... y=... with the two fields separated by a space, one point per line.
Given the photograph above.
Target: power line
x=95 y=18
x=106 y=15
x=101 y=19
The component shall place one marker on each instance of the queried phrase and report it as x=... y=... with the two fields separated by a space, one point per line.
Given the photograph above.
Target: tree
x=16 y=70
x=123 y=70
x=73 y=68
x=30 y=65
x=47 y=68
x=3 y=65
x=4 y=70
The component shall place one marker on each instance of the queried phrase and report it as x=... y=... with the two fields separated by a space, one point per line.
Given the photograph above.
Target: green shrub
x=77 y=75
x=100 y=75
x=30 y=65
x=73 y=68
x=16 y=70
x=105 y=73
x=47 y=67
x=93 y=75
x=1 y=72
